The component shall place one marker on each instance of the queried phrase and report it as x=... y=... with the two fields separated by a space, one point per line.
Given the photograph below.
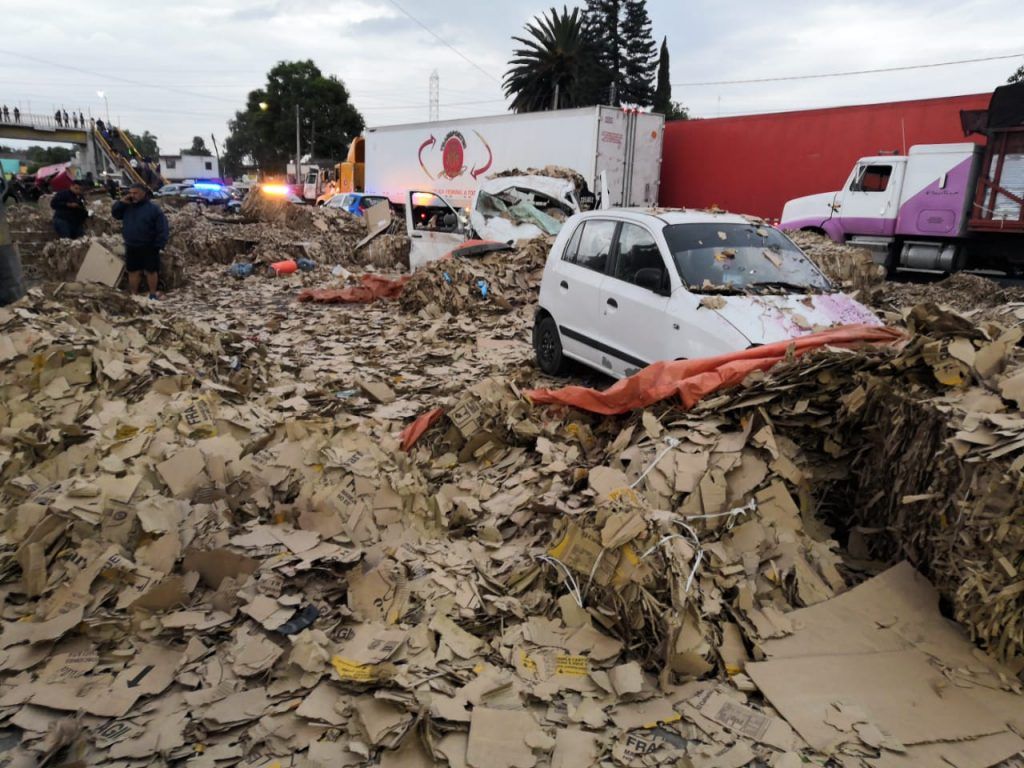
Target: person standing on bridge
x=69 y=212
x=17 y=115
x=81 y=118
x=65 y=118
x=56 y=118
x=7 y=115
x=145 y=234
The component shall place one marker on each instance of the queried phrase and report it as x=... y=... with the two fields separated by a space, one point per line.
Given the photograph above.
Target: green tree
x=146 y=143
x=264 y=132
x=198 y=147
x=1016 y=77
x=676 y=111
x=662 y=101
x=639 y=58
x=602 y=32
x=548 y=72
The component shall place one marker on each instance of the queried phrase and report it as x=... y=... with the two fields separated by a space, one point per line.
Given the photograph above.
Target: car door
x=575 y=302
x=633 y=302
x=433 y=227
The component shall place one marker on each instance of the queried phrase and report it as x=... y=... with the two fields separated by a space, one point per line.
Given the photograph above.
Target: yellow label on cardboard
x=572 y=665
x=359 y=673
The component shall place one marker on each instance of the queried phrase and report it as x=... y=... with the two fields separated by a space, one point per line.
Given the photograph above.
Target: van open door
x=433 y=227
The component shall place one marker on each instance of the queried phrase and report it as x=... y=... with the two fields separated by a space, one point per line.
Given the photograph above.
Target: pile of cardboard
x=500 y=280
x=848 y=267
x=215 y=553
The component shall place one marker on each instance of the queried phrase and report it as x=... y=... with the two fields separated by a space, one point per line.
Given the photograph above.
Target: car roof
x=669 y=216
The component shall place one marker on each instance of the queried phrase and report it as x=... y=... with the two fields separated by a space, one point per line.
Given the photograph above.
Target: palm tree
x=550 y=71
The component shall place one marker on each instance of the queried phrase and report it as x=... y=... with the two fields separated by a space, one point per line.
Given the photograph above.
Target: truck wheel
x=547 y=346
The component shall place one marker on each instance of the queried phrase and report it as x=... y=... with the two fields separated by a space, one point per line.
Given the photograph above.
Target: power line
x=444 y=42
x=117 y=78
x=847 y=74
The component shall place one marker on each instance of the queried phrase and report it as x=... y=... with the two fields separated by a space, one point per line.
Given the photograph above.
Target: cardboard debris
x=217 y=552
x=100 y=266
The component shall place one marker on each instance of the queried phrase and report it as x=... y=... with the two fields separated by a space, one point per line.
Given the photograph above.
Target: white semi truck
x=940 y=207
x=453 y=158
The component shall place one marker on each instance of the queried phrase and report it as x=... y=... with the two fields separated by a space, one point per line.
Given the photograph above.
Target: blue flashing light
x=207 y=185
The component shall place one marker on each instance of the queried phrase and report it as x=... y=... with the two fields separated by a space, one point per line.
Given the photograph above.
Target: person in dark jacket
x=69 y=212
x=11 y=286
x=145 y=233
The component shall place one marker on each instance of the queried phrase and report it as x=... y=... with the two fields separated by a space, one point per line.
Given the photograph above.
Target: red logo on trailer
x=454 y=150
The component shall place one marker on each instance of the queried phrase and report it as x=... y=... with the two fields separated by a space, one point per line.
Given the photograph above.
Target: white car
x=625 y=288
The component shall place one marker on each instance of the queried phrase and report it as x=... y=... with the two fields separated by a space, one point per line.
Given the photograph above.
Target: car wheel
x=547 y=345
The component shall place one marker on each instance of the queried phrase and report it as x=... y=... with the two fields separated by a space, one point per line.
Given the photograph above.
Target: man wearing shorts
x=145 y=234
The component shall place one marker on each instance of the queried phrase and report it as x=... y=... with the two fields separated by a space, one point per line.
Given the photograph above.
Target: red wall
x=754 y=164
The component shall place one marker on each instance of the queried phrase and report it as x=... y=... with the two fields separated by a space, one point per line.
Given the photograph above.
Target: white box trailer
x=453 y=157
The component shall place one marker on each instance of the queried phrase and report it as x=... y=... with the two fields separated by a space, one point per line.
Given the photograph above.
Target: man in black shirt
x=69 y=212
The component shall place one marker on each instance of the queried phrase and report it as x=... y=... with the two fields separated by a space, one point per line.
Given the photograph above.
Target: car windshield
x=741 y=258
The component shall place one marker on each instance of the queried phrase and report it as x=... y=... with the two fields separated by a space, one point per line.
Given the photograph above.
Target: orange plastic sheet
x=415 y=430
x=372 y=288
x=692 y=380
x=285 y=267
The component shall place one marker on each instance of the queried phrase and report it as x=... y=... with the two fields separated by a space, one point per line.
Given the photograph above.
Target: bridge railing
x=42 y=122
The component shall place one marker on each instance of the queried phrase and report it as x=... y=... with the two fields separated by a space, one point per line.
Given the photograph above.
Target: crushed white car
x=625 y=288
x=504 y=209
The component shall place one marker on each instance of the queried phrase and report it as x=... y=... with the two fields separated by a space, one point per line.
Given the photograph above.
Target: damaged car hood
x=764 y=319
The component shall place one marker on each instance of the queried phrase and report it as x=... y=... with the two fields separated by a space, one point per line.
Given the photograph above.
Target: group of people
x=61 y=118
x=145 y=229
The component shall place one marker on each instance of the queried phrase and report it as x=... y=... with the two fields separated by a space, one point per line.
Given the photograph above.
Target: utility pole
x=435 y=97
x=216 y=153
x=554 y=104
x=298 y=155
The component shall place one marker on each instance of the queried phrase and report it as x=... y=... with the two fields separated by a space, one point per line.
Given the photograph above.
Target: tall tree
x=601 y=25
x=198 y=147
x=548 y=71
x=146 y=143
x=1016 y=77
x=663 y=91
x=265 y=130
x=639 y=58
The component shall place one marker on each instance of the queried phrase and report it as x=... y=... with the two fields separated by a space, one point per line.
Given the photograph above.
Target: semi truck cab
x=903 y=208
x=940 y=207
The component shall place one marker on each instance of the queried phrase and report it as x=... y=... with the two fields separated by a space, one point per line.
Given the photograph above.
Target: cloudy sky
x=182 y=68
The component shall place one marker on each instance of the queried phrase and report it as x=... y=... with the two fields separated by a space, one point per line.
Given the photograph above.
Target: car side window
x=638 y=251
x=569 y=254
x=595 y=244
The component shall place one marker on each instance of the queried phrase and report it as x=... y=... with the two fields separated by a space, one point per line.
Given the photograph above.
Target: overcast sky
x=182 y=68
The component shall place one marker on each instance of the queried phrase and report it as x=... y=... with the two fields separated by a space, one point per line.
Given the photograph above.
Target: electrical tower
x=435 y=90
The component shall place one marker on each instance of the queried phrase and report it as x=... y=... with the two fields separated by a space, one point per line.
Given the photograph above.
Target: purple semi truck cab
x=940 y=207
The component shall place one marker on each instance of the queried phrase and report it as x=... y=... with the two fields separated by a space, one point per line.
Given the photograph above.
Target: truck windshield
x=741 y=258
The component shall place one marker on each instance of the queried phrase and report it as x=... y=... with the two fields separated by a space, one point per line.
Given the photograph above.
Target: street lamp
x=264 y=106
x=103 y=95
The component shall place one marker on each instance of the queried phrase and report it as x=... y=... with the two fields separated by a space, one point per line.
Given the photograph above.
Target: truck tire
x=547 y=346
x=892 y=259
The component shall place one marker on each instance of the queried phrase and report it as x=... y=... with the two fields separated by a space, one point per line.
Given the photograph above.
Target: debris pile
x=499 y=280
x=215 y=552
x=975 y=297
x=849 y=267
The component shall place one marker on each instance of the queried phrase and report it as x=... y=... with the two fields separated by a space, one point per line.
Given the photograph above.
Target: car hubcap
x=547 y=346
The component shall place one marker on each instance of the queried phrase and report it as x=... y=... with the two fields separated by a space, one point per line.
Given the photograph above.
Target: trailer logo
x=453 y=151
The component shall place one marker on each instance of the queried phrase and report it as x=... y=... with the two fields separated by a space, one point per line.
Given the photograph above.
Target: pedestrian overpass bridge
x=110 y=152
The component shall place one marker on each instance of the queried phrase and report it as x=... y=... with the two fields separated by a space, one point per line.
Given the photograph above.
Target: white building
x=189 y=167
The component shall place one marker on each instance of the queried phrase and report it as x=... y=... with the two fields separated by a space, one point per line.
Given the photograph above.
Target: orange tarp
x=692 y=380
x=415 y=430
x=372 y=288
